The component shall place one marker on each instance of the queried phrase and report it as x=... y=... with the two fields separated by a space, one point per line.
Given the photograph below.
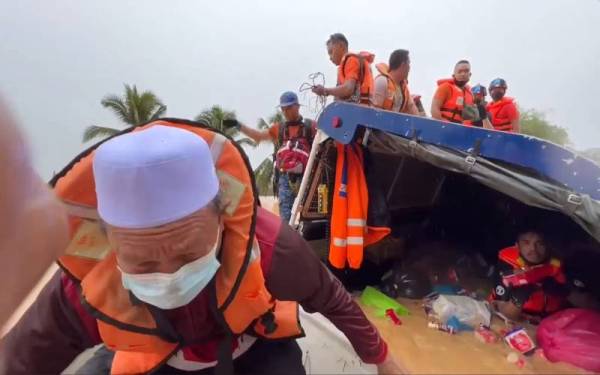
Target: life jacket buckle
x=574 y=199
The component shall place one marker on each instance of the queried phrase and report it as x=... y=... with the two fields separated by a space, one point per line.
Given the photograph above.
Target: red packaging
x=520 y=341
x=485 y=335
x=441 y=327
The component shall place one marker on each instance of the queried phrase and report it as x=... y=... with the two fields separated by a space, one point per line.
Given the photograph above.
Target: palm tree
x=133 y=109
x=263 y=174
x=214 y=117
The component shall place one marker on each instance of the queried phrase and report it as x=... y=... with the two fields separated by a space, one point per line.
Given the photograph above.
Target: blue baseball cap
x=498 y=82
x=479 y=89
x=288 y=98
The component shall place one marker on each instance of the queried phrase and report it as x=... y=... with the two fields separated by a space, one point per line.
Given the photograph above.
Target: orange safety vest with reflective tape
x=349 y=230
x=130 y=329
x=393 y=89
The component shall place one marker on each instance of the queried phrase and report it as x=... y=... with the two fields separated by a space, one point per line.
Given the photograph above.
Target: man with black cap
x=293 y=140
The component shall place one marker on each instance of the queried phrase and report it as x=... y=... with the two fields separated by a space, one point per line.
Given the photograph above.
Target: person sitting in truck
x=530 y=282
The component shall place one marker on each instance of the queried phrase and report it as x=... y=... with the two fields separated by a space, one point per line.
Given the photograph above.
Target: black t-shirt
x=482 y=115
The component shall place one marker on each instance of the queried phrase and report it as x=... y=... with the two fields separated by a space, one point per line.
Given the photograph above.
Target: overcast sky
x=59 y=58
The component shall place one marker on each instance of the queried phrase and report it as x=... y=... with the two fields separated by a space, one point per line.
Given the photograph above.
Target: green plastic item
x=373 y=298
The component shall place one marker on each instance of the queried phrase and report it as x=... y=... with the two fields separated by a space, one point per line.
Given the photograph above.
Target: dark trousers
x=264 y=357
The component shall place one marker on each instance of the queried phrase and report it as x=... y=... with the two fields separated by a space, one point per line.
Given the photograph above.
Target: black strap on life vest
x=455 y=112
x=358 y=96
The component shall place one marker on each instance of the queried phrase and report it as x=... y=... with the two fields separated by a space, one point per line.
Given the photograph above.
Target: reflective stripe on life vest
x=349 y=229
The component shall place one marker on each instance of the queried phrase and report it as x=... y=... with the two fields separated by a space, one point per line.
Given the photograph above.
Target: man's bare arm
x=344 y=91
x=436 y=108
x=257 y=135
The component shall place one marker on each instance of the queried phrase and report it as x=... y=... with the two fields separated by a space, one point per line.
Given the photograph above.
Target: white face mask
x=171 y=290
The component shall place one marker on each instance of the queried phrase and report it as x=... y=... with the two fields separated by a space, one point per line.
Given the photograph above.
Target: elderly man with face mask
x=179 y=270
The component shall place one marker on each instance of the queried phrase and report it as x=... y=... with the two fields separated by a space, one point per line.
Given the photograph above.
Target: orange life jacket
x=393 y=89
x=452 y=109
x=494 y=109
x=364 y=86
x=129 y=328
x=538 y=302
x=349 y=230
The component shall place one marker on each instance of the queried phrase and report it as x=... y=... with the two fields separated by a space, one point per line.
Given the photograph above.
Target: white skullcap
x=153 y=177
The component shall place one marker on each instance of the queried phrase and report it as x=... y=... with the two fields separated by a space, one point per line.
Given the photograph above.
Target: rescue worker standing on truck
x=530 y=283
x=503 y=112
x=479 y=94
x=293 y=140
x=391 y=86
x=354 y=78
x=191 y=276
x=453 y=100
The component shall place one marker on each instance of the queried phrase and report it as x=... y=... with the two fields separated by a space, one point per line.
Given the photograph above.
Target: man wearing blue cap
x=293 y=140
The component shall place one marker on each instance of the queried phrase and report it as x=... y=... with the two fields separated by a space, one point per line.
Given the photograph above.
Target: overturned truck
x=450 y=190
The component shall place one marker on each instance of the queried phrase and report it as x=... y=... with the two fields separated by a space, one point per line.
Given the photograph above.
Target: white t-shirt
x=380 y=93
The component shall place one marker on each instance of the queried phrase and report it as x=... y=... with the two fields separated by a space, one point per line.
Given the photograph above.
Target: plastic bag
x=572 y=336
x=466 y=309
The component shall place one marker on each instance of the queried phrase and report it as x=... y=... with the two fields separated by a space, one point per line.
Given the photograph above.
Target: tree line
x=135 y=108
